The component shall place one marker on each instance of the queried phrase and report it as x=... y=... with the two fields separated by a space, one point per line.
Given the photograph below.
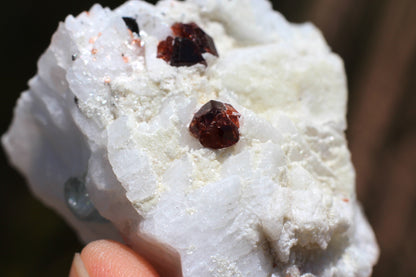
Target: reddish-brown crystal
x=165 y=49
x=216 y=125
x=187 y=47
x=192 y=31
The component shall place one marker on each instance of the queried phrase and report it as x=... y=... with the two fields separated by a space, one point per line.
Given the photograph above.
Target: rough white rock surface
x=104 y=109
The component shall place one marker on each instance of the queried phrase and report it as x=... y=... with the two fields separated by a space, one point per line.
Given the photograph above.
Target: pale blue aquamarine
x=78 y=200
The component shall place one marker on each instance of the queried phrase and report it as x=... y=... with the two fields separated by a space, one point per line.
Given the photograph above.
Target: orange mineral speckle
x=137 y=42
x=107 y=80
x=94 y=51
x=94 y=39
x=125 y=59
x=346 y=200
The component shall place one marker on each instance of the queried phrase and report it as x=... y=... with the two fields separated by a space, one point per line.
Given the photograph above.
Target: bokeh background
x=376 y=39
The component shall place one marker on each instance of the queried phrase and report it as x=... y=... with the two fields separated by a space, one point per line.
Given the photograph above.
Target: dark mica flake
x=216 y=125
x=186 y=48
x=131 y=23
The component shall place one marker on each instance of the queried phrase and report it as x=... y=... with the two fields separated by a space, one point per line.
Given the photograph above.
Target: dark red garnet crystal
x=216 y=125
x=192 y=31
x=185 y=52
x=186 y=48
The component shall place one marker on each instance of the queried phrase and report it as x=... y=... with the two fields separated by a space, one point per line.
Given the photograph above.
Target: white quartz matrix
x=103 y=108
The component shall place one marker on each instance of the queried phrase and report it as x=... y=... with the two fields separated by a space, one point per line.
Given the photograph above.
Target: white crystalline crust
x=281 y=202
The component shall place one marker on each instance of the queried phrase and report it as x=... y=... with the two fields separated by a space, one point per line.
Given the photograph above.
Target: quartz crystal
x=102 y=136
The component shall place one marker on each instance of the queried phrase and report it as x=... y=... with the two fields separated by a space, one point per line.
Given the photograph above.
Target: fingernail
x=78 y=268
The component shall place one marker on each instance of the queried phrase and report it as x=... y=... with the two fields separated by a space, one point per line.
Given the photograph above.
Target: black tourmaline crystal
x=131 y=23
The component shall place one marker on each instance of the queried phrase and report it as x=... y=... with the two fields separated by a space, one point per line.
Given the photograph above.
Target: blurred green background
x=376 y=39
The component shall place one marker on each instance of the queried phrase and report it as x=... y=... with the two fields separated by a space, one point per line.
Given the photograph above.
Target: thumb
x=104 y=258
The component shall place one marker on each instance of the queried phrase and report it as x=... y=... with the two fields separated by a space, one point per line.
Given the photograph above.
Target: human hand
x=105 y=258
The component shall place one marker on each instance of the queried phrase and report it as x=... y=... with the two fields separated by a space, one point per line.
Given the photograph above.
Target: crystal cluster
x=206 y=134
x=187 y=47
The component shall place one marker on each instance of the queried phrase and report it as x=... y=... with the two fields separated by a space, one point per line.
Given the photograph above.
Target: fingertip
x=104 y=258
x=78 y=268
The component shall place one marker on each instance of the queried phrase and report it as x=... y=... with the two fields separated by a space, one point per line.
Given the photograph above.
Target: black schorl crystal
x=131 y=23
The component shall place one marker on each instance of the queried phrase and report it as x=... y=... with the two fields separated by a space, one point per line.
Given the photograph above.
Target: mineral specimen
x=102 y=136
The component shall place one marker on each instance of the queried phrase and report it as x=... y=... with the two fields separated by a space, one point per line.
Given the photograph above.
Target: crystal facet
x=165 y=49
x=185 y=53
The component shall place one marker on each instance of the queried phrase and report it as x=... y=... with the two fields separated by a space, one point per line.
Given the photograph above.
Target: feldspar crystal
x=102 y=136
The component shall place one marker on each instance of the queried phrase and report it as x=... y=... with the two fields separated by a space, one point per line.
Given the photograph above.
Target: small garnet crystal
x=216 y=125
x=186 y=48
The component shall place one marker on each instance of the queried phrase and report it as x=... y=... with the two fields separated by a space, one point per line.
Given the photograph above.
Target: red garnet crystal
x=187 y=47
x=216 y=125
x=192 y=31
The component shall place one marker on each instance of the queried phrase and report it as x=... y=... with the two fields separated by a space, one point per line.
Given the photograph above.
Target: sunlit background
x=376 y=39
